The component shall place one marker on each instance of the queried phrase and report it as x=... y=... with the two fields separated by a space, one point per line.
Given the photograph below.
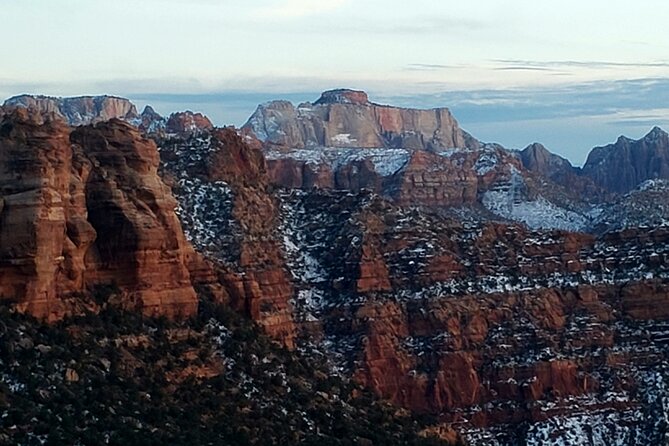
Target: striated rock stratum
x=82 y=208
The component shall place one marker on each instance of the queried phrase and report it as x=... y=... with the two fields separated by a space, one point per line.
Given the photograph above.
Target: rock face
x=487 y=326
x=482 y=325
x=188 y=122
x=230 y=215
x=539 y=160
x=86 y=208
x=346 y=118
x=413 y=157
x=622 y=166
x=151 y=121
x=78 y=110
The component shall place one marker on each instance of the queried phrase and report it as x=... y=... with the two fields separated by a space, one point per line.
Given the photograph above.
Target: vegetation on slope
x=117 y=378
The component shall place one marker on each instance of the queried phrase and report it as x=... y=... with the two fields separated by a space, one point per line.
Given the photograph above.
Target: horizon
x=170 y=104
x=571 y=76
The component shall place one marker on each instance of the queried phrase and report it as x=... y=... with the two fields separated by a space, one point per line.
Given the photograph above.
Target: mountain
x=413 y=157
x=82 y=208
x=84 y=110
x=505 y=334
x=90 y=241
x=538 y=159
x=450 y=282
x=622 y=166
x=346 y=118
x=80 y=110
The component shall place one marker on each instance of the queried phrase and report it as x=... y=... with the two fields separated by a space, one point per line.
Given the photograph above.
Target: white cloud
x=293 y=9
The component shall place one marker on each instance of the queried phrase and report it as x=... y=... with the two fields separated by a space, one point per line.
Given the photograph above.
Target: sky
x=569 y=74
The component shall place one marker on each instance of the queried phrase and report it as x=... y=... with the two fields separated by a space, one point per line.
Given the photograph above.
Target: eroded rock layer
x=86 y=208
x=230 y=214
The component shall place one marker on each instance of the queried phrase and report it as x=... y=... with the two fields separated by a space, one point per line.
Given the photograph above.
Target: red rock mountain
x=82 y=208
x=384 y=255
x=536 y=158
x=488 y=326
x=413 y=157
x=188 y=122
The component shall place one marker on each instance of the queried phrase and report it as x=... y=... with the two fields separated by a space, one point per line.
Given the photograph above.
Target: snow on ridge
x=507 y=201
x=386 y=161
x=653 y=184
x=448 y=153
x=486 y=162
x=343 y=138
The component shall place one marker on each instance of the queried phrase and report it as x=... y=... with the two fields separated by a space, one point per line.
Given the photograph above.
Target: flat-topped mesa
x=343 y=96
x=81 y=110
x=346 y=118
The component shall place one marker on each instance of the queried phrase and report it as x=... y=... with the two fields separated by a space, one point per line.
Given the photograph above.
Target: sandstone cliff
x=86 y=208
x=413 y=157
x=78 y=110
x=346 y=118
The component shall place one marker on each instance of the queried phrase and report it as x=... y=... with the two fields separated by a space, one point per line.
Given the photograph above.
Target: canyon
x=510 y=296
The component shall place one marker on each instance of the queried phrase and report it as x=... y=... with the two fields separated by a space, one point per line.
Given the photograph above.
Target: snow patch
x=386 y=161
x=506 y=200
x=343 y=138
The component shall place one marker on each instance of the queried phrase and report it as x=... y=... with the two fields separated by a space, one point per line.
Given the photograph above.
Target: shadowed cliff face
x=85 y=208
x=622 y=166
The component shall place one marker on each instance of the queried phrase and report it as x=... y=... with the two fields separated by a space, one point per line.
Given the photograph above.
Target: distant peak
x=148 y=110
x=535 y=147
x=655 y=133
x=343 y=96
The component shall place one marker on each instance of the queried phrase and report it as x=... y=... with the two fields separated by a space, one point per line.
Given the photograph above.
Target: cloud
x=590 y=64
x=295 y=9
x=525 y=68
x=431 y=67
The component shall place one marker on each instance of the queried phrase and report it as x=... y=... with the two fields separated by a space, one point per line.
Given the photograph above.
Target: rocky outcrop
x=346 y=118
x=539 y=160
x=80 y=110
x=188 y=122
x=232 y=217
x=152 y=122
x=86 y=208
x=622 y=166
